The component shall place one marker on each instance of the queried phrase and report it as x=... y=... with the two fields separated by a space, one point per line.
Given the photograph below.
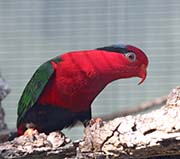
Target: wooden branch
x=153 y=135
x=38 y=146
x=142 y=136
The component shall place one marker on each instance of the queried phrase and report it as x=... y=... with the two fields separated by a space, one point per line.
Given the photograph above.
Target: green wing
x=35 y=87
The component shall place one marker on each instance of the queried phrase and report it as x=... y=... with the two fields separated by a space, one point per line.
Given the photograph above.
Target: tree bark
x=153 y=135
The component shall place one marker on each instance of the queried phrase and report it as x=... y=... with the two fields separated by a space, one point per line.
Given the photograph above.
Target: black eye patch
x=114 y=49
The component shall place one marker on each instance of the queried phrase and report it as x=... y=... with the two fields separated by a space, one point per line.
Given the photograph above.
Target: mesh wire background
x=33 y=31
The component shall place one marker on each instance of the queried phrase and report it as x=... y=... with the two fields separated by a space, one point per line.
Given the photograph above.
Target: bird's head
x=128 y=61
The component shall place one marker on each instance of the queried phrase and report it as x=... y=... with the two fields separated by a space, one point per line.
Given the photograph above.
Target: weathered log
x=37 y=146
x=153 y=135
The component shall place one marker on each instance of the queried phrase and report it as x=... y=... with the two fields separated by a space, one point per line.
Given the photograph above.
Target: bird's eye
x=131 y=56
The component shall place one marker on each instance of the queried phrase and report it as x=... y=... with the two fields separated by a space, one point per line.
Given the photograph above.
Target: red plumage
x=80 y=77
x=78 y=81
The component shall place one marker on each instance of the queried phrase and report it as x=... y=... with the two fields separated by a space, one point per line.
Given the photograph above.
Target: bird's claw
x=97 y=121
x=31 y=133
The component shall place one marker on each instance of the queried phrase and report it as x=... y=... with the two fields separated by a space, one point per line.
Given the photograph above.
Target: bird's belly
x=48 y=118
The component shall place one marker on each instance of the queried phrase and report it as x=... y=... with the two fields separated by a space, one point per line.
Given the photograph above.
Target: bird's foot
x=96 y=121
x=31 y=133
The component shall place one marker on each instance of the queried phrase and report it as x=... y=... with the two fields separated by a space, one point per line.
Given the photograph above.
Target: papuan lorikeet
x=61 y=91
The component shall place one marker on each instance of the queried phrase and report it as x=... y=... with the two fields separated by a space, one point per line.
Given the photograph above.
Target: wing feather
x=35 y=87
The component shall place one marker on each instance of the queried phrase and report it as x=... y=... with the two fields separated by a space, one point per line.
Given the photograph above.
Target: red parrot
x=61 y=91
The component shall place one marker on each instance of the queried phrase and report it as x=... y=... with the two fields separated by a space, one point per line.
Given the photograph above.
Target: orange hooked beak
x=143 y=73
